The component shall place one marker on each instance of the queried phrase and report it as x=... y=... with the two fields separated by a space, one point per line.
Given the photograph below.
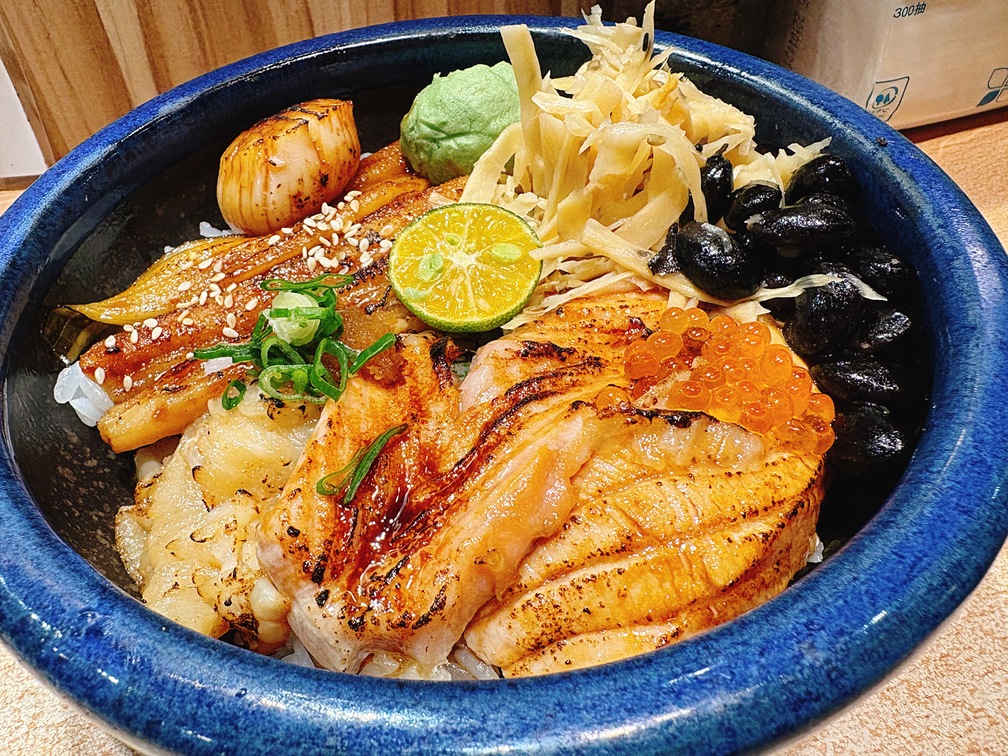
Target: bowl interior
x=59 y=457
x=96 y=220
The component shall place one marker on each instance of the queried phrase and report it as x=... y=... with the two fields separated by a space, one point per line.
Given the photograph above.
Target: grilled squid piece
x=284 y=167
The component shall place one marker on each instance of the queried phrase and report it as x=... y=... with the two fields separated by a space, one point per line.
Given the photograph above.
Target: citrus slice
x=465 y=266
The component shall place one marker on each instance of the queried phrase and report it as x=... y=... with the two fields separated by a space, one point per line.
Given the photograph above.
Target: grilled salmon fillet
x=512 y=511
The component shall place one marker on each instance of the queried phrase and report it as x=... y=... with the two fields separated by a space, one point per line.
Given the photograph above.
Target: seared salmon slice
x=513 y=511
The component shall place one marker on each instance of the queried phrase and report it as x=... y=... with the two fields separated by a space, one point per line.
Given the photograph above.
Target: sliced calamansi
x=465 y=266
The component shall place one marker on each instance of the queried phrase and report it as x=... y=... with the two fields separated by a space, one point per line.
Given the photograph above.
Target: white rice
x=87 y=398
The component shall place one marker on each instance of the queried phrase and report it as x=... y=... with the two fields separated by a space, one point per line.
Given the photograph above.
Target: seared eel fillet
x=572 y=535
x=209 y=292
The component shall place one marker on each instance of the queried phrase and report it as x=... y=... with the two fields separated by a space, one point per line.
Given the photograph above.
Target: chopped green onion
x=229 y=401
x=320 y=376
x=350 y=476
x=290 y=341
x=383 y=343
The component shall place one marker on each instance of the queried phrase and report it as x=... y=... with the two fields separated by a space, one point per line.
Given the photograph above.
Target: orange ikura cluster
x=730 y=371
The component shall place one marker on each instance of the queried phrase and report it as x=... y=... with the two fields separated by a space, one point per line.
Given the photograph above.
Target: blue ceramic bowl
x=93 y=221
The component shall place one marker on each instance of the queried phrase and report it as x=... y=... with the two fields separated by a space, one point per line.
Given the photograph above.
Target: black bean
x=863 y=380
x=884 y=271
x=867 y=440
x=824 y=318
x=883 y=332
x=664 y=260
x=800 y=230
x=750 y=200
x=709 y=257
x=824 y=174
x=716 y=184
x=822 y=198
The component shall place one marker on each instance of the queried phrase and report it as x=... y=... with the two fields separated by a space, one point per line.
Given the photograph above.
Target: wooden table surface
x=951 y=696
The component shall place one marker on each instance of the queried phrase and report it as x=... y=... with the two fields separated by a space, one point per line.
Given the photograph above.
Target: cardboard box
x=909 y=63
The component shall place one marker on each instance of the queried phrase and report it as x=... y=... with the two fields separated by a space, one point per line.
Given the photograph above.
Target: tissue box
x=909 y=63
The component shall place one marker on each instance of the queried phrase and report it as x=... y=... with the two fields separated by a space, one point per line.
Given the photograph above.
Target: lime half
x=465 y=267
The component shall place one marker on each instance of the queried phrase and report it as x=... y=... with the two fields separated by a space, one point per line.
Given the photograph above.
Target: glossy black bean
x=664 y=261
x=863 y=380
x=867 y=440
x=824 y=174
x=750 y=200
x=709 y=257
x=822 y=198
x=884 y=271
x=885 y=331
x=688 y=214
x=800 y=230
x=824 y=318
x=716 y=184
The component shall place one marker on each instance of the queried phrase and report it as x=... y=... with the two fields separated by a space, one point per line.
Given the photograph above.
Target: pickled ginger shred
x=604 y=161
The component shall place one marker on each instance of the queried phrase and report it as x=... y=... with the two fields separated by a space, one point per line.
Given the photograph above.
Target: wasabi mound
x=456 y=118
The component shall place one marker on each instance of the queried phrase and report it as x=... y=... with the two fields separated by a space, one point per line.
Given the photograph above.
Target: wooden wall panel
x=79 y=64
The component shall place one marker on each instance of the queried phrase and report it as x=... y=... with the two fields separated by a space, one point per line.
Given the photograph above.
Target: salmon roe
x=731 y=371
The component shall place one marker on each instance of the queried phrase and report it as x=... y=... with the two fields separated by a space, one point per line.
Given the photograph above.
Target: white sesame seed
x=316 y=251
x=252 y=304
x=231 y=287
x=274 y=239
x=326 y=208
x=324 y=242
x=127 y=382
x=218 y=266
x=354 y=205
x=336 y=224
x=364 y=244
x=335 y=239
x=287 y=230
x=340 y=205
x=214 y=289
x=312 y=262
x=156 y=332
x=304 y=252
x=325 y=262
x=219 y=300
x=229 y=332
x=185 y=286
x=205 y=264
x=150 y=322
x=385 y=244
x=232 y=320
x=186 y=265
x=134 y=336
x=181 y=305
x=99 y=375
x=217 y=277
x=354 y=193
x=386 y=231
x=229 y=302
x=322 y=225
x=190 y=355
x=309 y=222
x=203 y=296
x=110 y=342
x=352 y=241
x=187 y=321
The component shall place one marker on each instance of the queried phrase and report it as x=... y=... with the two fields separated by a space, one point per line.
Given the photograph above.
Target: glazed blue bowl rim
x=757 y=678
